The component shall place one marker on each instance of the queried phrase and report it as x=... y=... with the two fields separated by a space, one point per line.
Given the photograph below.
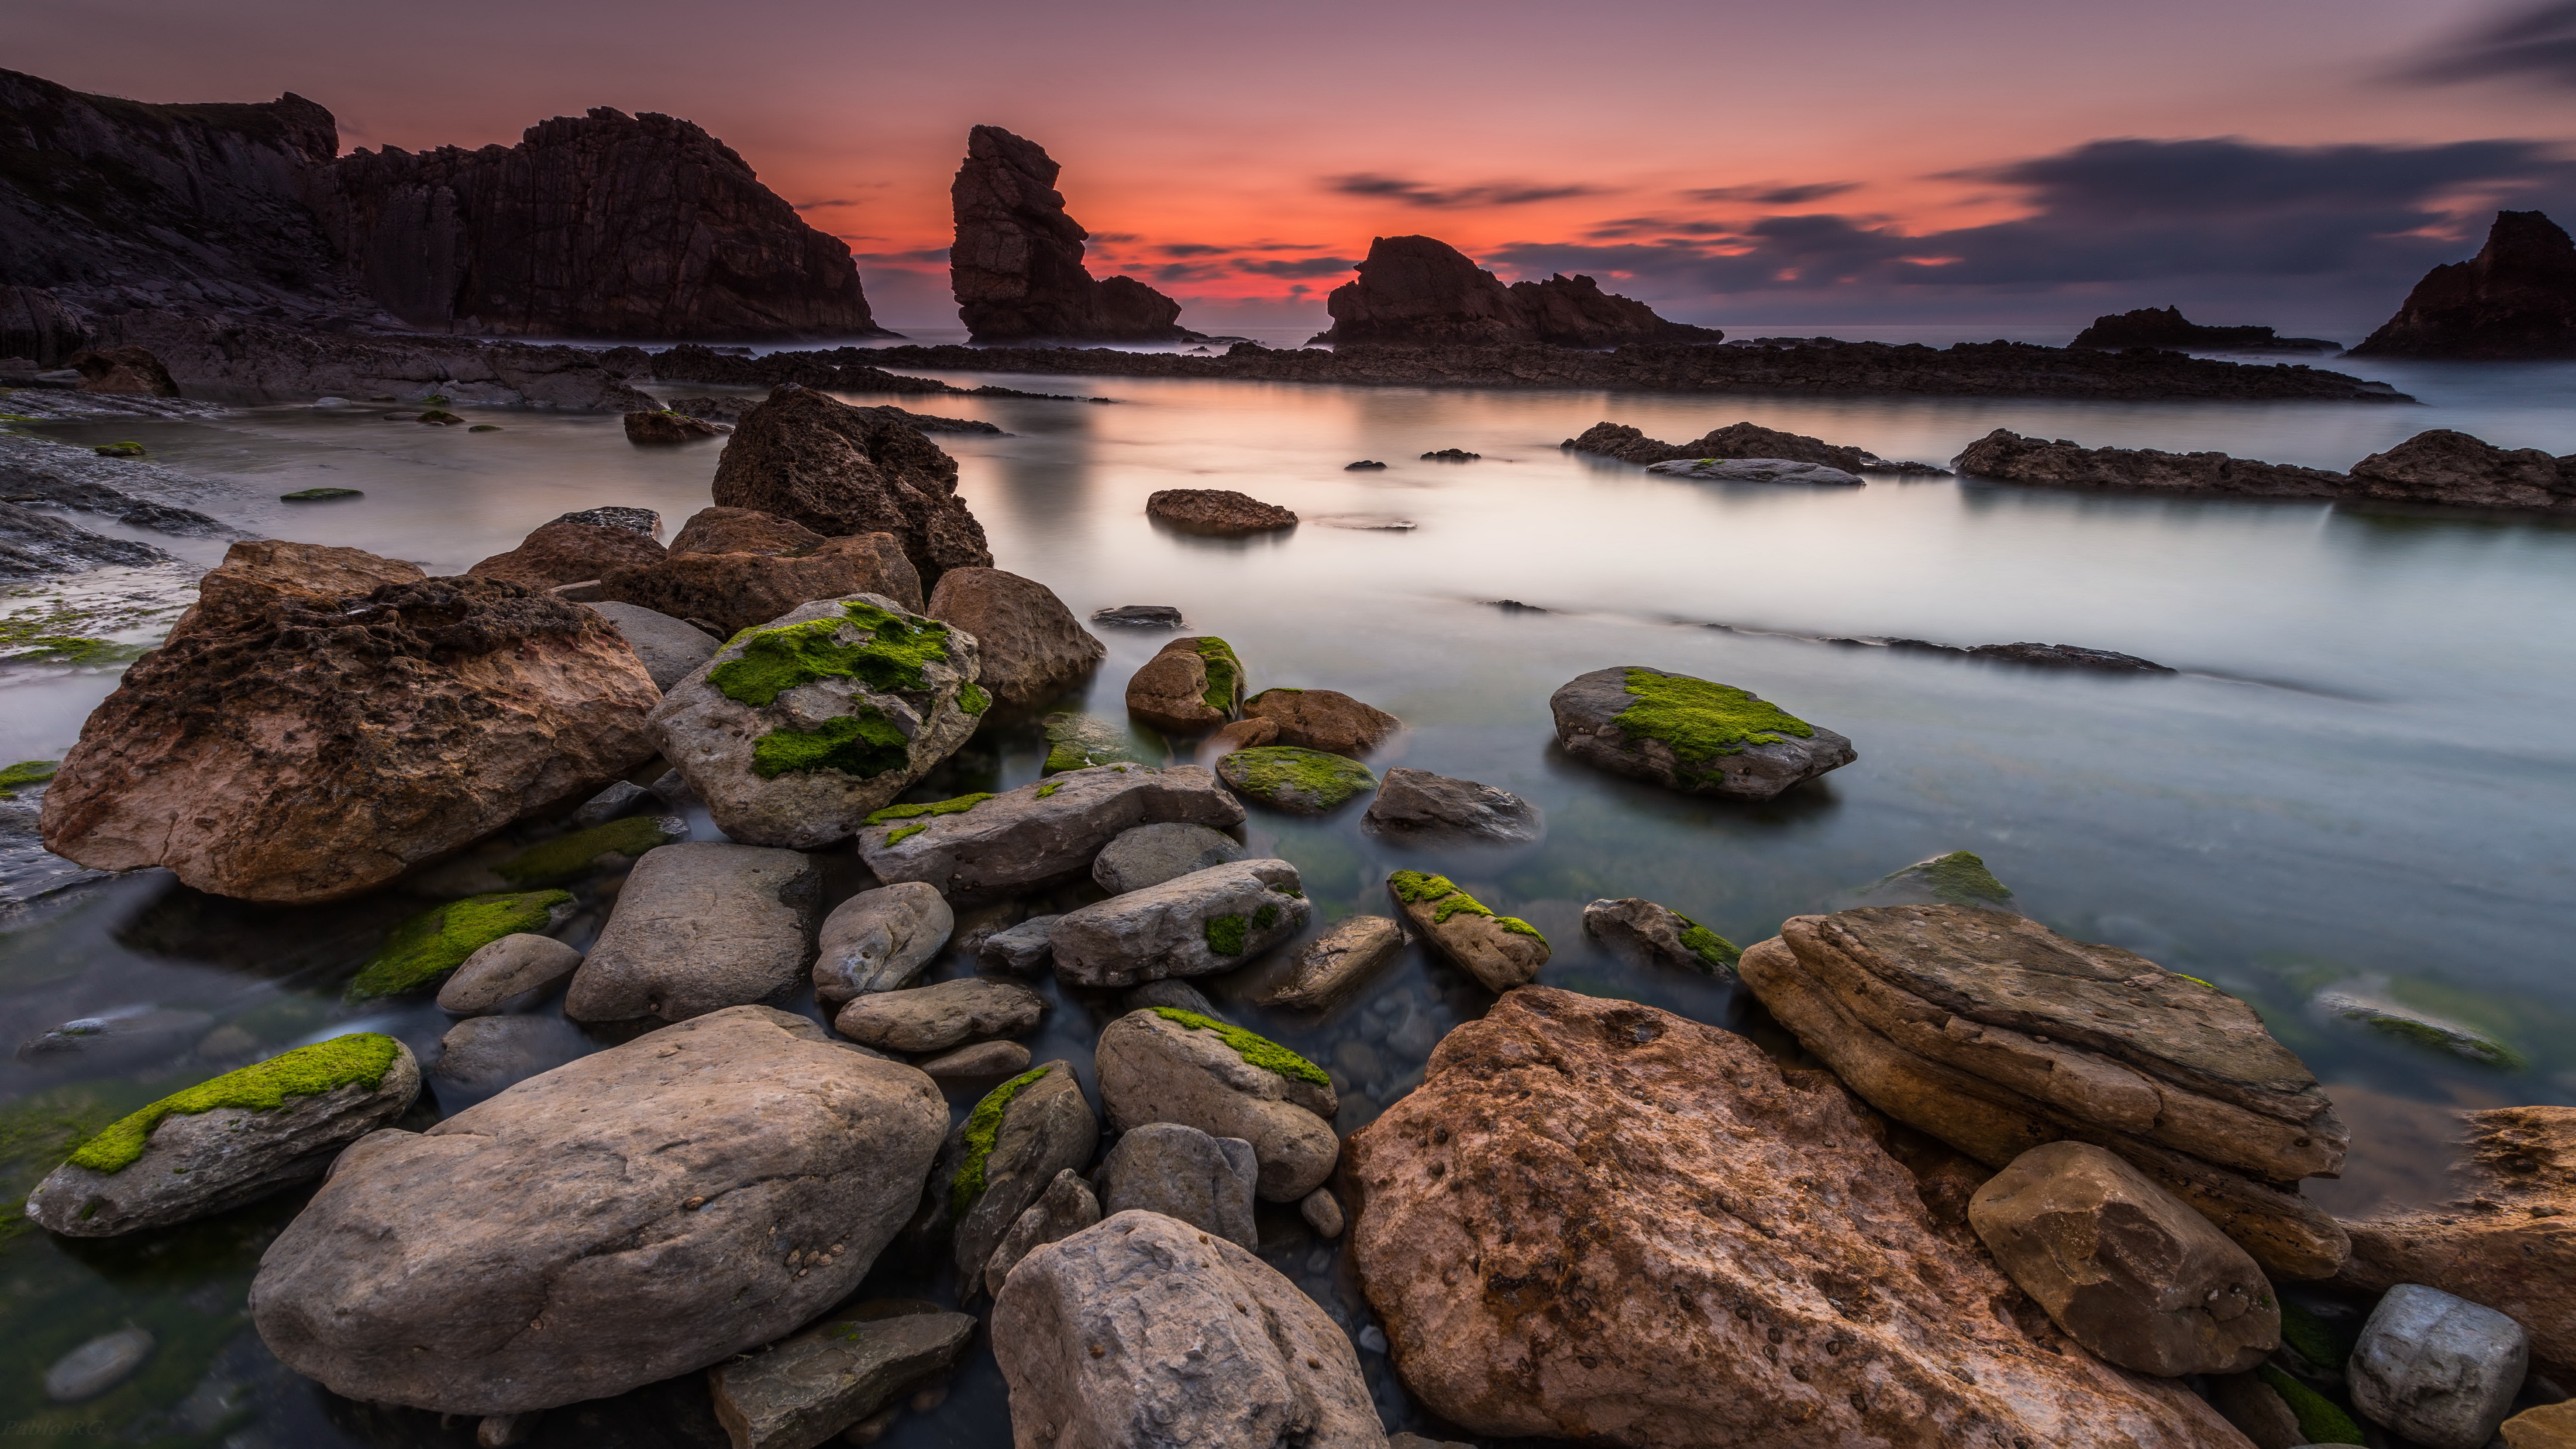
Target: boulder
x=1144 y=1330
x=1501 y=951
x=746 y=530
x=699 y=928
x=418 y=953
x=983 y=1061
x=1194 y=925
x=511 y=966
x=1183 y=1173
x=1189 y=686
x=1023 y=949
x=1691 y=735
x=879 y=940
x=2443 y=466
x=1016 y=266
x=1645 y=934
x=1216 y=510
x=1045 y=833
x=1139 y=616
x=738 y=591
x=1754 y=470
x=2126 y=1268
x=1331 y=968
x=565 y=553
x=800 y=1391
x=1419 y=807
x=934 y=1018
x=663 y=428
x=1301 y=782
x=1152 y=854
x=2515 y=299
x=836 y=469
x=803 y=727
x=1064 y=1209
x=1033 y=649
x=1079 y=741
x=1596 y=1220
x=643 y=1212
x=1005 y=1154
x=1996 y=1034
x=1163 y=1064
x=670 y=649
x=1737 y=440
x=231 y=1140
x=1323 y=719
x=487 y=1053
x=347 y=735
x=2551 y=1426
x=2438 y=1369
x=123 y=370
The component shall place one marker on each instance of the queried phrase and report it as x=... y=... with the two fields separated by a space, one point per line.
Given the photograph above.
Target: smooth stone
x=1044 y=833
x=1207 y=921
x=1032 y=648
x=1064 y=1209
x=1322 y=1212
x=973 y=1063
x=1171 y=691
x=98 y=1365
x=1334 y=965
x=1181 y=1172
x=879 y=940
x=1152 y=854
x=1645 y=934
x=1754 y=470
x=1299 y=781
x=1174 y=993
x=698 y=928
x=1323 y=719
x=1022 y=949
x=505 y=968
x=486 y=1052
x=2436 y=1368
x=622 y=797
x=934 y=1018
x=1420 y=807
x=1046 y=1127
x=1153 y=1069
x=671 y=649
x=800 y=1391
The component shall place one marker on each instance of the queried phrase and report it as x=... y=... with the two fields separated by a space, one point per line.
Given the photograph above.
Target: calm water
x=2364 y=771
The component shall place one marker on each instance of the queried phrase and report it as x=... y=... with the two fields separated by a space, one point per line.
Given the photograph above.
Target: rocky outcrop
x=2009 y=457
x=1193 y=925
x=1016 y=266
x=1323 y=719
x=2167 y=327
x=228 y=357
x=879 y=940
x=698 y=928
x=1575 y=312
x=1165 y=1064
x=1033 y=648
x=1736 y=440
x=980 y=846
x=1415 y=291
x=1501 y=951
x=567 y=553
x=1216 y=510
x=2515 y=299
x=2442 y=466
x=1418 y=806
x=1755 y=470
x=737 y=591
x=1598 y=1221
x=837 y=469
x=1691 y=735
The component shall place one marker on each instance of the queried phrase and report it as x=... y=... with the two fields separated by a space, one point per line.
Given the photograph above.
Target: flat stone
x=1754 y=470
x=1044 y=1126
x=1022 y=949
x=1500 y=951
x=934 y=1018
x=878 y=940
x=1044 y=833
x=974 y=1063
x=1323 y=719
x=1333 y=966
x=698 y=928
x=1420 y=807
x=1216 y=510
x=801 y=1391
x=1645 y=934
x=1152 y=854
x=1299 y=781
x=98 y=1365
x=506 y=968
x=2436 y=1368
x=671 y=649
x=1730 y=741
x=1064 y=1209
x=1196 y=925
x=1153 y=1069
x=1140 y=616
x=1181 y=1172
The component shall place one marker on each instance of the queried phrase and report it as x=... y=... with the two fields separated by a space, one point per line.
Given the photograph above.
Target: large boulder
x=1216 y=510
x=803 y=727
x=934 y=1018
x=1599 y=1221
x=565 y=553
x=1011 y=1146
x=232 y=1140
x=640 y=1213
x=1040 y=834
x=800 y=1391
x=879 y=940
x=1691 y=735
x=1190 y=686
x=2440 y=465
x=1419 y=807
x=698 y=928
x=837 y=469
x=1193 y=925
x=2515 y=299
x=1164 y=1064
x=1016 y=266
x=737 y=591
x=1500 y=951
x=1415 y=291
x=1996 y=1034
x=1323 y=719
x=1033 y=647
x=2436 y=1368
x=300 y=739
x=1181 y=1172
x=670 y=649
x=1144 y=1330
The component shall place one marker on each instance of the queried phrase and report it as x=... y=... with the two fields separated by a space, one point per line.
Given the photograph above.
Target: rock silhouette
x=2516 y=299
x=1421 y=291
x=2167 y=327
x=1017 y=267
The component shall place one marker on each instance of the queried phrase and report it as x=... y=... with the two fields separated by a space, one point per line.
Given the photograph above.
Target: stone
x=1996 y=1034
x=1183 y=1173
x=2167 y=327
x=2257 y=1410
x=2366 y=1002
x=484 y=1053
x=1033 y=649
x=121 y=1038
x=1417 y=291
x=1323 y=719
x=1170 y=991
x=1064 y=1209
x=1322 y=1212
x=1079 y=741
x=123 y=370
x=1798 y=1293
x=347 y=732
x=1755 y=470
x=643 y=1212
x=1419 y=807
x=737 y=591
x=1299 y=781
x=1957 y=879
x=1691 y=735
x=564 y=553
x=1046 y=833
x=934 y=1018
x=1140 y=616
x=1501 y=951
x=803 y=730
x=614 y=515
x=2551 y=1426
x=982 y=1061
x=417 y=953
x=1226 y=1082
x=1005 y=1154
x=663 y=428
x=2438 y=1369
x=2515 y=299
x=801 y=1391
x=802 y=456
x=2126 y=1268
x=511 y=966
x=1245 y=734
x=1333 y=967
x=1199 y=1343
x=1216 y=510
x=1149 y=855
x=621 y=797
x=1191 y=685
x=1736 y=440
x=1452 y=455
x=98 y=1365
x=2447 y=467
x=698 y=928
x=1023 y=948
x=745 y=530
x=1643 y=933
x=2008 y=457
x=1016 y=265
x=879 y=940
x=1193 y=925
x=228 y=1141
x=670 y=649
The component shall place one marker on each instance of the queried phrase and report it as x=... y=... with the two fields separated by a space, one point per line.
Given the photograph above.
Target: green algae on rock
x=983 y=1128
x=119 y=450
x=1079 y=741
x=1253 y=1047
x=1720 y=953
x=779 y=658
x=318 y=495
x=422 y=950
x=1692 y=735
x=2321 y=1420
x=922 y=815
x=864 y=743
x=1959 y=878
x=304 y=1072
x=551 y=862
x=1224 y=675
x=1501 y=951
x=1288 y=777
x=2376 y=1007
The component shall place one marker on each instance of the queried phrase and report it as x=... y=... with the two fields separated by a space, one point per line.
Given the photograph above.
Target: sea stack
x=2514 y=301
x=1017 y=267
x=1419 y=291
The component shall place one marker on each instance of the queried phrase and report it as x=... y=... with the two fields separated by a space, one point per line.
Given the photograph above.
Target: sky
x=1745 y=165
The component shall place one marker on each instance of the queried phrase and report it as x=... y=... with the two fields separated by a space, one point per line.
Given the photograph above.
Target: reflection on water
x=2363 y=771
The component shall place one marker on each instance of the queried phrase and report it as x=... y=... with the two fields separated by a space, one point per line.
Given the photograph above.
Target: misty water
x=2363 y=771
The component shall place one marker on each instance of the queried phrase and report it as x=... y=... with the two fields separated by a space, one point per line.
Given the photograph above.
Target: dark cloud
x=2527 y=43
x=1423 y=193
x=1115 y=238
x=1774 y=195
x=925 y=254
x=1294 y=267
x=1191 y=249
x=1285 y=268
x=820 y=205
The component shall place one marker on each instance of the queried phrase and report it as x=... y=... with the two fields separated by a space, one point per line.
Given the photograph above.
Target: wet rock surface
x=1005 y=1155
x=836 y=469
x=879 y=940
x=1691 y=735
x=1031 y=647
x=666 y=428
x=1044 y=833
x=1421 y=807
x=1152 y=854
x=1335 y=965
x=1197 y=924
x=1216 y=510
x=671 y=649
x=1755 y=470
x=1016 y=265
x=743 y=530
x=2009 y=457
x=698 y=928
x=2444 y=466
x=1183 y=1173
x=1299 y=781
x=1140 y=616
x=564 y=553
x=1190 y=686
x=1161 y=1064
x=934 y=1018
x=2438 y=1369
x=1323 y=719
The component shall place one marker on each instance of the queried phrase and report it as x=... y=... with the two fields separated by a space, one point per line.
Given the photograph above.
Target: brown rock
x=1416 y=290
x=125 y=370
x=2257 y=1410
x=1016 y=265
x=662 y=428
x=2551 y=1426
x=1216 y=510
x=1337 y=963
x=2515 y=299
x=934 y=1018
x=1172 y=692
x=2442 y=466
x=259 y=575
x=566 y=553
x=1736 y=440
x=1599 y=1221
x=840 y=470
x=743 y=530
x=1500 y=951
x=2008 y=457
x=737 y=591
x=982 y=1061
x=1243 y=734
x=1323 y=719
x=1033 y=647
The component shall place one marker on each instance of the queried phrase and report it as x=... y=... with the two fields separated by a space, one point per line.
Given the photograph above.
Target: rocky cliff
x=1418 y=291
x=2167 y=327
x=1016 y=267
x=2516 y=299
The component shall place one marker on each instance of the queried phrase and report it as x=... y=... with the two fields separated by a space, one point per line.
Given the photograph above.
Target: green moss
x=862 y=744
x=304 y=1072
x=1414 y=887
x=1284 y=774
x=936 y=808
x=1079 y=741
x=1259 y=1050
x=2320 y=1421
x=1265 y=918
x=983 y=1128
x=1519 y=927
x=902 y=833
x=484 y=428
x=973 y=700
x=25 y=772
x=2312 y=1339
x=891 y=655
x=1461 y=904
x=318 y=495
x=567 y=856
x=435 y=942
x=1703 y=722
x=1961 y=879
x=1049 y=788
x=119 y=450
x=1226 y=934
x=1224 y=675
x=1720 y=953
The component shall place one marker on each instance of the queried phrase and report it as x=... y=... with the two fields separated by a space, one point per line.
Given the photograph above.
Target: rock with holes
x=698 y=928
x=1064 y=1209
x=934 y=1018
x=804 y=726
x=2436 y=1368
x=1164 y=1064
x=801 y=1391
x=1181 y=1172
x=980 y=846
x=1004 y=1155
x=1144 y=1330
x=1193 y=925
x=1500 y=951
x=1599 y=1221
x=1691 y=735
x=879 y=940
x=643 y=1212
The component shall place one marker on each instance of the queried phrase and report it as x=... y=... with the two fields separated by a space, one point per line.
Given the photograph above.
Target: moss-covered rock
x=1302 y=781
x=1959 y=878
x=1191 y=686
x=1500 y=951
x=1692 y=735
x=1253 y=1047
x=1648 y=934
x=1080 y=741
x=569 y=857
x=422 y=950
x=2374 y=1006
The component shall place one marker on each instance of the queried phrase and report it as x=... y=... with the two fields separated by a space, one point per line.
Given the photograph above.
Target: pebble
x=97 y=1366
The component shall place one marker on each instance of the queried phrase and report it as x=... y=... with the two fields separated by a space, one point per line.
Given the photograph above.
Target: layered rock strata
x=1016 y=266
x=2515 y=299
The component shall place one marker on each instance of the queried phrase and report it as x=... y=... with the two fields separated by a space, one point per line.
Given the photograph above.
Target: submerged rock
x=1337 y=964
x=1957 y=879
x=980 y=846
x=1691 y=735
x=564 y=553
x=1192 y=925
x=1079 y=741
x=699 y=928
x=1164 y=1064
x=1323 y=719
x=98 y=1365
x=1301 y=782
x=1216 y=510
x=1190 y=685
x=511 y=966
x=1417 y=806
x=1152 y=854
x=2009 y=457
x=801 y=1391
x=836 y=469
x=1500 y=951
x=1646 y=934
x=2042 y=656
x=879 y=940
x=1031 y=648
x=1140 y=616
x=2438 y=1369
x=1755 y=470
x=2369 y=1004
x=738 y=591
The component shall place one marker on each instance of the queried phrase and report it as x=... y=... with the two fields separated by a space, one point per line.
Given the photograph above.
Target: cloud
x=1284 y=268
x=1774 y=195
x=1424 y=194
x=1191 y=249
x=2529 y=43
x=925 y=254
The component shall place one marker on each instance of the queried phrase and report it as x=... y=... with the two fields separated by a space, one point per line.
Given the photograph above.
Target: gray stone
x=984 y=1059
x=98 y=1365
x=622 y=797
x=2369 y=1003
x=1140 y=616
x=1419 y=807
x=698 y=928
x=1152 y=854
x=2438 y=1369
x=1959 y=878
x=801 y=1391
x=1207 y=921
x=1322 y=1212
x=671 y=649
x=879 y=940
x=502 y=969
x=934 y=1018
x=1143 y=1330
x=1023 y=948
x=1179 y=995
x=1153 y=1069
x=1045 y=1127
x=643 y=1212
x=1181 y=1172
x=1754 y=470
x=1645 y=934
x=1501 y=951
x=490 y=1052
x=672 y=789
x=1044 y=833
x=1330 y=968
x=1762 y=762
x=1064 y=1209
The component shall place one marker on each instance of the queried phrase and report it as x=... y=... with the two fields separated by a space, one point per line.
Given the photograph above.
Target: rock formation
x=1016 y=267
x=2514 y=300
x=1216 y=510
x=981 y=846
x=1416 y=291
x=1736 y=440
x=837 y=469
x=2167 y=327
x=2438 y=466
x=1692 y=735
